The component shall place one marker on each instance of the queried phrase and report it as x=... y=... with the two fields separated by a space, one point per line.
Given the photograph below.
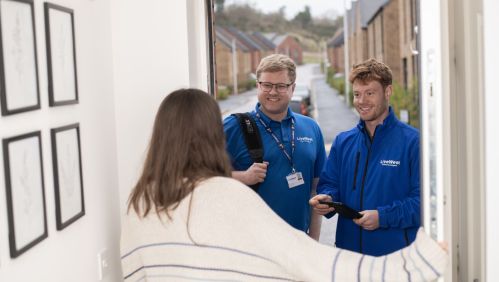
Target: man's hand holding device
x=319 y=208
x=343 y=209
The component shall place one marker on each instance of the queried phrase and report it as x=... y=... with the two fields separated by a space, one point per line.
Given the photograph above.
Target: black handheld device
x=343 y=209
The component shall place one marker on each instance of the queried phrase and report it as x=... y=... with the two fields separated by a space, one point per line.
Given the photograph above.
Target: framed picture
x=19 y=90
x=68 y=181
x=61 y=55
x=25 y=192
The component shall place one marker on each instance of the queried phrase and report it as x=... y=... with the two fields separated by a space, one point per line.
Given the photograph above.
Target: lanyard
x=279 y=143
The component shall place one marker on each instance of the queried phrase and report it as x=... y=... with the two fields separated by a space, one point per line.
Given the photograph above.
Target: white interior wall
x=71 y=254
x=150 y=53
x=198 y=48
x=130 y=54
x=491 y=61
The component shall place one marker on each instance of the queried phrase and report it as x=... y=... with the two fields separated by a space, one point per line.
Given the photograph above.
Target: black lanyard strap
x=279 y=143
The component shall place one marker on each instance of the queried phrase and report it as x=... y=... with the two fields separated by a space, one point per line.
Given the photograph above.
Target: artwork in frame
x=68 y=181
x=25 y=191
x=61 y=55
x=19 y=90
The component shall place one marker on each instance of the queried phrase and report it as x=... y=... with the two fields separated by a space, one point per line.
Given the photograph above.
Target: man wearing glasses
x=293 y=147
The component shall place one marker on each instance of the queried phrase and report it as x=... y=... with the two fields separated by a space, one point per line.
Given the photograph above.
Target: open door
x=452 y=161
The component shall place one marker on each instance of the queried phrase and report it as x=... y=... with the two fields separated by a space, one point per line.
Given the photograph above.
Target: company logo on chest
x=392 y=163
x=304 y=139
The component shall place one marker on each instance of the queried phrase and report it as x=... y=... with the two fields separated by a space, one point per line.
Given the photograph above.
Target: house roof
x=226 y=38
x=244 y=39
x=367 y=11
x=369 y=8
x=264 y=40
x=351 y=18
x=337 y=40
x=279 y=39
x=263 y=46
x=270 y=35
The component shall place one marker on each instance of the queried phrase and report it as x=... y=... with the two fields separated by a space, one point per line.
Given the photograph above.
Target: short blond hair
x=276 y=63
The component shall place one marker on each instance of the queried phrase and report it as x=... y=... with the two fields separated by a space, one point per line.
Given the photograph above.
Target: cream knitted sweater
x=237 y=237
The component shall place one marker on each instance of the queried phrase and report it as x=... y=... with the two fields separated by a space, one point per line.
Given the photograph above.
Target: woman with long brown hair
x=187 y=221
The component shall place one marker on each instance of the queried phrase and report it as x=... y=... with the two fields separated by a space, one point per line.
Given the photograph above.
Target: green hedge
x=250 y=84
x=337 y=83
x=223 y=92
x=407 y=99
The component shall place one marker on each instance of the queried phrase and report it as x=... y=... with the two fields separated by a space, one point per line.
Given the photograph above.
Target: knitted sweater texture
x=232 y=235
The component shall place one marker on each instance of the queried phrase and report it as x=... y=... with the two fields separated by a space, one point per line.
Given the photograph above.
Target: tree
x=219 y=6
x=303 y=18
x=282 y=11
x=247 y=18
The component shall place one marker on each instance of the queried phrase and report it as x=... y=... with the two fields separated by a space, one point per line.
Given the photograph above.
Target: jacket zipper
x=355 y=171
x=363 y=181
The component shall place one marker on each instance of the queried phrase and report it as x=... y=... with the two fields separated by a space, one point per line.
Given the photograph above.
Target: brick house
x=336 y=51
x=254 y=48
x=224 y=59
x=267 y=46
x=288 y=45
x=381 y=20
x=357 y=35
x=374 y=31
x=261 y=38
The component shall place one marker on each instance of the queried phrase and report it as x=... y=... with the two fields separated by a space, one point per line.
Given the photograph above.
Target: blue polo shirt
x=291 y=204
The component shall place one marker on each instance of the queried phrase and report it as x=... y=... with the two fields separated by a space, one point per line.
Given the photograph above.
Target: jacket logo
x=305 y=139
x=389 y=163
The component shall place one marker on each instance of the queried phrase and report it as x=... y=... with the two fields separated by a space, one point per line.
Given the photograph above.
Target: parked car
x=299 y=105
x=302 y=90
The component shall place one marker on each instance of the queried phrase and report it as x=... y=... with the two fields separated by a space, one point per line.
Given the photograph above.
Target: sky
x=318 y=8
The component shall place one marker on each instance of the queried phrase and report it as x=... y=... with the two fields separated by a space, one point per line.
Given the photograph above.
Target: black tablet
x=343 y=209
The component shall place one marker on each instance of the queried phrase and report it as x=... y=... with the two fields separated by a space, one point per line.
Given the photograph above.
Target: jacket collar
x=388 y=122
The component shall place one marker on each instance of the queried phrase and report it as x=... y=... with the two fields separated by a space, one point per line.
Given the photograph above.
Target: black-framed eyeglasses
x=279 y=87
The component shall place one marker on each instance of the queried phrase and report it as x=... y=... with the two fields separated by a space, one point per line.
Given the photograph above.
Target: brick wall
x=223 y=57
x=292 y=48
x=391 y=38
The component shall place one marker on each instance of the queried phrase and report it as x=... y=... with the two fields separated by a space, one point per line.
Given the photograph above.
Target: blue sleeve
x=406 y=212
x=321 y=154
x=233 y=137
x=329 y=179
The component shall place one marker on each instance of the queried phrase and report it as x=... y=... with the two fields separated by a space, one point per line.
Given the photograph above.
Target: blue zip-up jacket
x=379 y=174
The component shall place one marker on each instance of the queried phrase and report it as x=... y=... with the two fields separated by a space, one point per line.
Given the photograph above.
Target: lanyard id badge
x=295 y=179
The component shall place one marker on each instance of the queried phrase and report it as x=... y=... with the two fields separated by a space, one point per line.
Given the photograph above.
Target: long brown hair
x=187 y=146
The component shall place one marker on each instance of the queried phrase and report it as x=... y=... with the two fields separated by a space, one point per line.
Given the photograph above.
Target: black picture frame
x=68 y=176
x=19 y=83
x=61 y=55
x=25 y=190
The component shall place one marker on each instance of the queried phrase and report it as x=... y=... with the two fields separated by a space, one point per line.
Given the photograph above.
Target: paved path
x=243 y=102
